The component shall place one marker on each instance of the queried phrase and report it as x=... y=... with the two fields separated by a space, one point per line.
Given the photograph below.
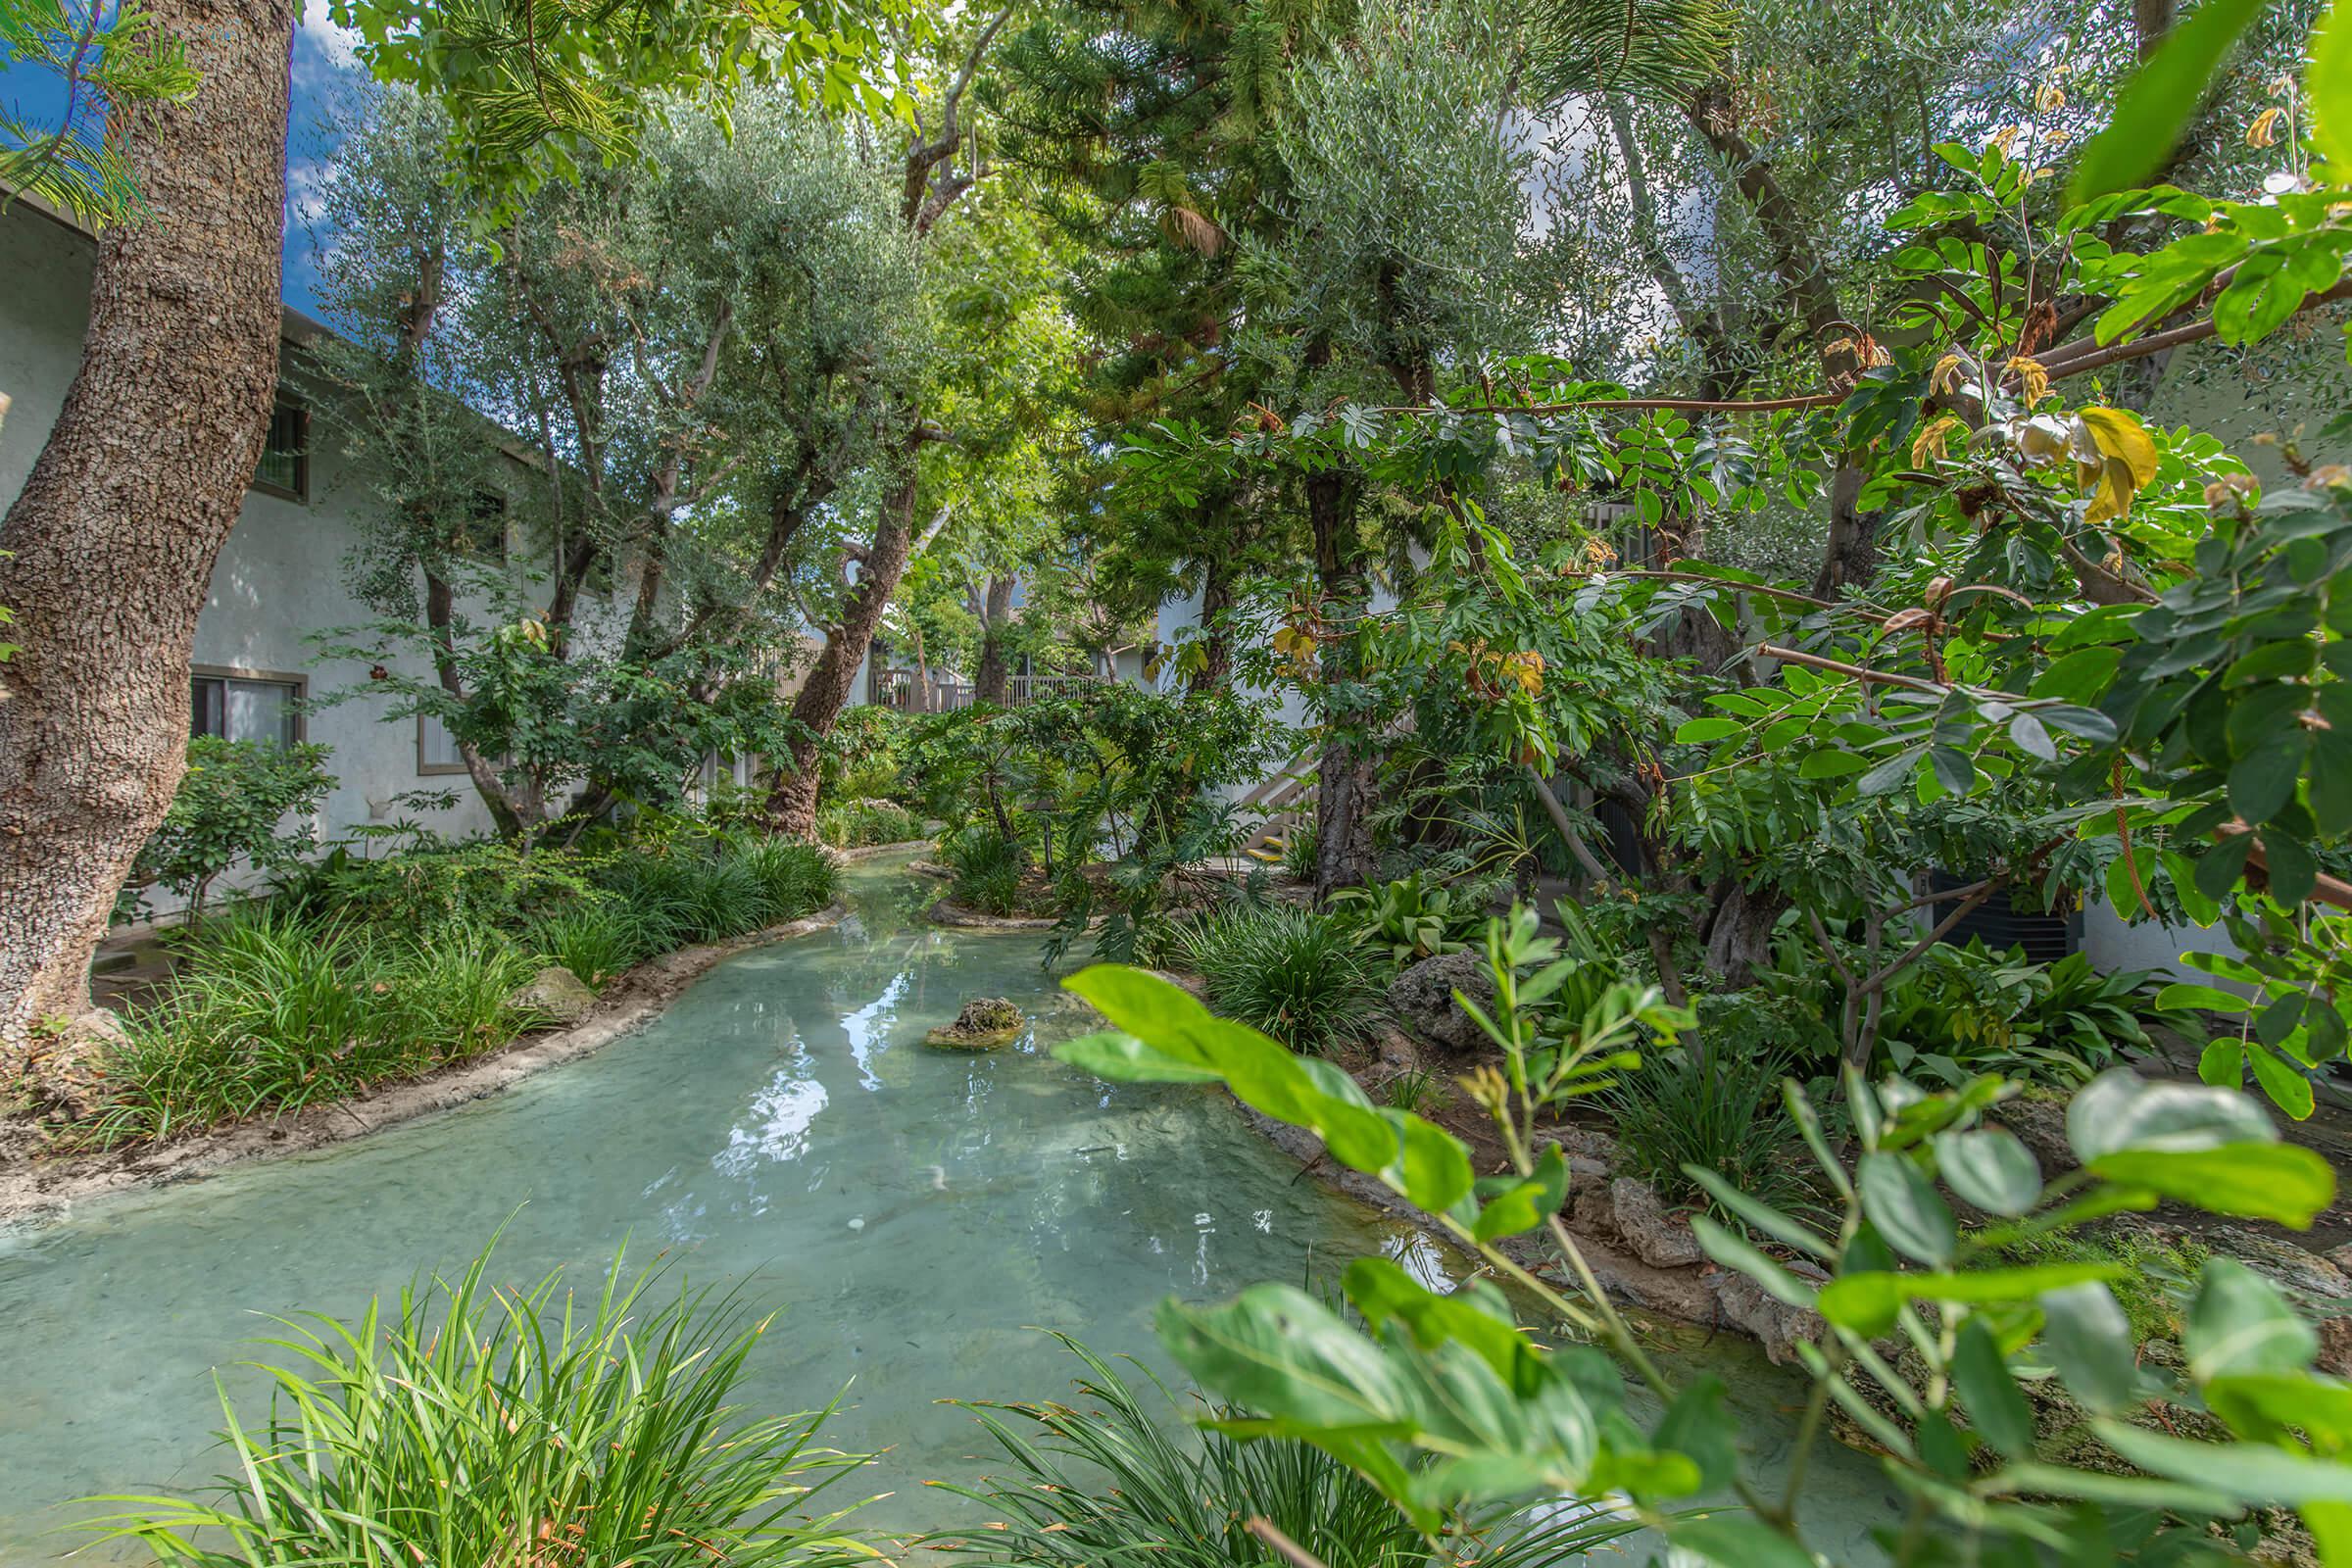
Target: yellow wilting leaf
x=1192 y=230
x=1932 y=439
x=2263 y=132
x=2114 y=448
x=2036 y=379
x=1946 y=374
x=2051 y=96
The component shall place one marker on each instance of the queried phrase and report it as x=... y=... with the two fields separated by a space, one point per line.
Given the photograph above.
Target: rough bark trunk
x=109 y=549
x=792 y=800
x=1217 y=638
x=992 y=682
x=1343 y=780
x=1738 y=937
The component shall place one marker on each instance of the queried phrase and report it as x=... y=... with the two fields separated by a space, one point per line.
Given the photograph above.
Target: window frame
x=426 y=769
x=286 y=402
x=301 y=685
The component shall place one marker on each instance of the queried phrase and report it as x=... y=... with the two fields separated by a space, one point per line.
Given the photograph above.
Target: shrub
x=587 y=1431
x=1304 y=978
x=1111 y=1486
x=1720 y=1112
x=431 y=882
x=1300 y=847
x=227 y=810
x=1416 y=916
x=794 y=879
x=596 y=941
x=270 y=1014
x=988 y=869
x=855 y=825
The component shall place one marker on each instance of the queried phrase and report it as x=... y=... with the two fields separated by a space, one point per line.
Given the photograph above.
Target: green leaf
x=1278 y=1349
x=1737 y=1542
x=1991 y=1168
x=2283 y=1182
x=1697 y=1425
x=1433 y=1166
x=2120 y=1110
x=2031 y=735
x=1528 y=1204
x=2285 y=1086
x=1906 y=1209
x=2210 y=998
x=1867 y=1301
x=2263 y=781
x=2155 y=105
x=1831 y=764
x=2089 y=1341
x=2250 y=1472
x=1384 y=1293
x=1123 y=1058
x=2238 y=1324
x=1732 y=1252
x=1700 y=731
x=2328 y=84
x=1760 y=1214
x=1996 y=1409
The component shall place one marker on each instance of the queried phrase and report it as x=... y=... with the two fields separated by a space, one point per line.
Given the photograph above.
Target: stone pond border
x=43 y=1190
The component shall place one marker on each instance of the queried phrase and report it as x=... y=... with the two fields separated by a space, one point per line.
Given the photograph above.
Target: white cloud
x=339 y=44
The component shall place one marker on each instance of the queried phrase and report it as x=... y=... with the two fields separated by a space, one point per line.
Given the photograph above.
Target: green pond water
x=915 y=1216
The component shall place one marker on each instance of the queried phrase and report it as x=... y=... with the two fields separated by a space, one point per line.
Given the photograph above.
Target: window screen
x=285 y=467
x=240 y=710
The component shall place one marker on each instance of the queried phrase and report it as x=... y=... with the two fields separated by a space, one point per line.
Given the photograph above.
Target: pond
x=917 y=1217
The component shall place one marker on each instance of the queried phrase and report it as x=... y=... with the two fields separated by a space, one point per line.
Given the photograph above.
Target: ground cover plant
x=1307 y=978
x=1111 y=1477
x=590 y=1427
x=367 y=971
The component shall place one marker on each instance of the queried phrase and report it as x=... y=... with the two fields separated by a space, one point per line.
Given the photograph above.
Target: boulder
x=2281 y=1263
x=1585 y=1143
x=1659 y=1239
x=984 y=1024
x=1422 y=1000
x=1770 y=1322
x=555 y=993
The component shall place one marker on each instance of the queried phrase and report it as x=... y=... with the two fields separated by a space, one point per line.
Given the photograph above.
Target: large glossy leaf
x=1278 y=1349
x=1734 y=1541
x=1907 y=1209
x=2239 y=1323
x=1996 y=1406
x=1123 y=1058
x=2120 y=1110
x=1867 y=1301
x=2283 y=1182
x=1528 y=1204
x=2250 y=1472
x=1991 y=1168
x=2156 y=102
x=2089 y=1341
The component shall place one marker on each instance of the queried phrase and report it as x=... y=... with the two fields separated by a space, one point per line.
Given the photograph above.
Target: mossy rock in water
x=984 y=1024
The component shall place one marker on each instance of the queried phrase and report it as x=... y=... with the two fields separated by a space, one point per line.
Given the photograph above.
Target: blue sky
x=324 y=72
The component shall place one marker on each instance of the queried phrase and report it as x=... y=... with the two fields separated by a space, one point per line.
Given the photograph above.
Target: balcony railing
x=913 y=692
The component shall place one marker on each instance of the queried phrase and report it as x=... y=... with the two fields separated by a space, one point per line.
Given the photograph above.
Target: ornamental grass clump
x=1304 y=978
x=522 y=1428
x=1111 y=1481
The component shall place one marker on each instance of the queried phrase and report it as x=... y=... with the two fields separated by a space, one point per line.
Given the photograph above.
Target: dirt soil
x=43 y=1187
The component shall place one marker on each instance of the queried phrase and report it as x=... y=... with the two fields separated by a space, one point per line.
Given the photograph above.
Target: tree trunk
x=1738 y=936
x=992 y=682
x=1345 y=776
x=109 y=550
x=1217 y=637
x=792 y=800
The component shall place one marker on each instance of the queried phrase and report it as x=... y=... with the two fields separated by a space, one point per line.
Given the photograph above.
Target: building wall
x=280 y=577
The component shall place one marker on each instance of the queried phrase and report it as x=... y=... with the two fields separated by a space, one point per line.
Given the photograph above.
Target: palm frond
x=1668 y=47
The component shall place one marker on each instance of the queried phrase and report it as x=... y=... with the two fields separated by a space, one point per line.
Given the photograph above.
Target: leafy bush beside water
x=1111 y=1484
x=1306 y=979
x=371 y=971
x=590 y=1430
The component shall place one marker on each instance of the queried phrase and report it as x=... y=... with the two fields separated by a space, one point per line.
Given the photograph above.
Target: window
x=285 y=467
x=485 y=530
x=436 y=747
x=240 y=707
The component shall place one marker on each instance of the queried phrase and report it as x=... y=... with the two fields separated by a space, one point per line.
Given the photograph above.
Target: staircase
x=1284 y=800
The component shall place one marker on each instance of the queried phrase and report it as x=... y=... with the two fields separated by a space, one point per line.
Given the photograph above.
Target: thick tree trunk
x=792 y=800
x=992 y=682
x=107 y=555
x=1345 y=776
x=1217 y=637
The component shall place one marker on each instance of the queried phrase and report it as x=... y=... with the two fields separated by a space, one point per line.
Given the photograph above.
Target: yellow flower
x=1932 y=439
x=2263 y=132
x=2036 y=379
